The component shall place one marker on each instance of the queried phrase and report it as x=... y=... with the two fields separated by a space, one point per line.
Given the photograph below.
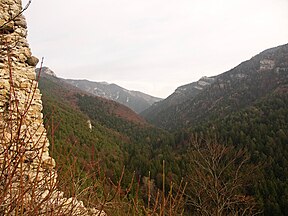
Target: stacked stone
x=27 y=174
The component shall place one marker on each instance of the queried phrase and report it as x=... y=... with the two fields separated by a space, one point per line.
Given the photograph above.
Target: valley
x=244 y=108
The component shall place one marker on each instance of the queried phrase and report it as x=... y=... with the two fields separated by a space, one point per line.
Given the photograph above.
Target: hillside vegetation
x=245 y=107
x=236 y=121
x=116 y=138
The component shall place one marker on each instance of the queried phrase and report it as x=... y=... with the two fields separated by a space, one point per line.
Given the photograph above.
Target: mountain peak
x=46 y=71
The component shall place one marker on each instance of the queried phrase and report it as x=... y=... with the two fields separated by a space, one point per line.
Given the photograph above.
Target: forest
x=236 y=165
x=217 y=146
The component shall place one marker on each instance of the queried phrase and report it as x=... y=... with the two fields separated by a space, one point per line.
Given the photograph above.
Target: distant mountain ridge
x=71 y=94
x=135 y=100
x=235 y=89
x=180 y=95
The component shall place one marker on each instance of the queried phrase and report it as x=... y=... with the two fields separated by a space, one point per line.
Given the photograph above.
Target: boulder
x=32 y=61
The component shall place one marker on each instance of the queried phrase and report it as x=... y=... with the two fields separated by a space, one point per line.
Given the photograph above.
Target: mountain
x=246 y=107
x=135 y=100
x=66 y=92
x=180 y=95
x=46 y=71
x=233 y=90
x=89 y=127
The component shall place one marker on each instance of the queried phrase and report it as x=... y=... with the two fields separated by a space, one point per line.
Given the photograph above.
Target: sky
x=153 y=46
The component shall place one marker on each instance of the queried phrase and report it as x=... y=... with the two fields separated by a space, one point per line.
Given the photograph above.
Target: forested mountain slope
x=262 y=129
x=181 y=94
x=233 y=90
x=94 y=128
x=135 y=100
x=245 y=107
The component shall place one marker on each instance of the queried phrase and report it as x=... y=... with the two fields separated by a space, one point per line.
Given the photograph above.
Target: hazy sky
x=152 y=45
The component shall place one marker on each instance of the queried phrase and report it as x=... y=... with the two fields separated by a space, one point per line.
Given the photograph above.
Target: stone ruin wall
x=27 y=174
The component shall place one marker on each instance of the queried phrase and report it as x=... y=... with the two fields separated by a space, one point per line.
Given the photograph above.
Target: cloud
x=157 y=43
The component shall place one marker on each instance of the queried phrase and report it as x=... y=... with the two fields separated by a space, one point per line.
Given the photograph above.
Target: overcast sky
x=152 y=46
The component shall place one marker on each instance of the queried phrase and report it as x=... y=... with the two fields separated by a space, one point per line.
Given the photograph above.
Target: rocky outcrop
x=266 y=64
x=28 y=180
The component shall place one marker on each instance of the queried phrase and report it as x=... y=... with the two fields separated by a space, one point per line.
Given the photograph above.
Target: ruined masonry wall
x=18 y=85
x=23 y=140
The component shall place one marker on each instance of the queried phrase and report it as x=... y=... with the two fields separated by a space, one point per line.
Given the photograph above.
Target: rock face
x=27 y=176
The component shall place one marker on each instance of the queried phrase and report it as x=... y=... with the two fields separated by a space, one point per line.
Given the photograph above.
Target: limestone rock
x=32 y=61
x=20 y=21
x=6 y=27
x=2 y=66
x=23 y=137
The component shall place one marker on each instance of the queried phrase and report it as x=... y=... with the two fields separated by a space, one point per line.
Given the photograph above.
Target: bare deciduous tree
x=219 y=176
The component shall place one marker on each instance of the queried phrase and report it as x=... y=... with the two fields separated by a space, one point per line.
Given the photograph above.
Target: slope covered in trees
x=233 y=90
x=245 y=107
x=118 y=137
x=262 y=130
x=114 y=142
x=241 y=114
x=135 y=100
